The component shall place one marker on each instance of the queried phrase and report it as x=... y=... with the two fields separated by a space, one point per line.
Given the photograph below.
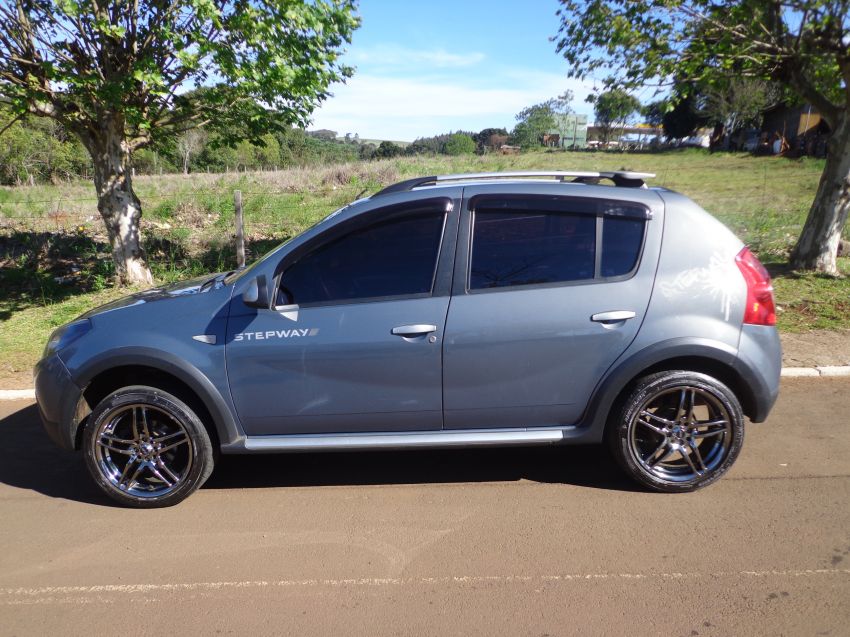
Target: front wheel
x=146 y=448
x=678 y=431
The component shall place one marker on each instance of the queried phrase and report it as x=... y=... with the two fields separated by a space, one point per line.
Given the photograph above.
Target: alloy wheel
x=680 y=434
x=143 y=451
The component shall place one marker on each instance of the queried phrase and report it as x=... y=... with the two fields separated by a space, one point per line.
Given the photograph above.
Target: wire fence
x=205 y=213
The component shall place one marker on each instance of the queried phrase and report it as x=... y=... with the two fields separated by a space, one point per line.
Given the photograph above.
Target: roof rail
x=621 y=178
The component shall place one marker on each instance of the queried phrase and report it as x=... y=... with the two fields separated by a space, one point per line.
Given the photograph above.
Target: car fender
x=630 y=366
x=217 y=403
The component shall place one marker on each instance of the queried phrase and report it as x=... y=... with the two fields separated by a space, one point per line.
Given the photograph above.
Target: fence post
x=240 y=234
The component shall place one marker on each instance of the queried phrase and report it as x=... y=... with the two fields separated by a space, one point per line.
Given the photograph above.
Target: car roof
x=620 y=179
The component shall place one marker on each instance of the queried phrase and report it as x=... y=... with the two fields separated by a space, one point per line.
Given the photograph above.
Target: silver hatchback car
x=460 y=310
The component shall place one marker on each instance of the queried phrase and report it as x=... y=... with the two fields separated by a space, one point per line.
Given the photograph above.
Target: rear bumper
x=759 y=362
x=58 y=398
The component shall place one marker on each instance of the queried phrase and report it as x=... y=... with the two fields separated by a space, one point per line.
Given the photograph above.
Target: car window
x=621 y=242
x=391 y=258
x=529 y=247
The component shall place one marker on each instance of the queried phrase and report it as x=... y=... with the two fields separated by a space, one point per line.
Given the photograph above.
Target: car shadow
x=586 y=466
x=30 y=460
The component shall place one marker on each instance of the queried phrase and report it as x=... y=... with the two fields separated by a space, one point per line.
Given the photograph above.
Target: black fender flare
x=219 y=407
x=624 y=370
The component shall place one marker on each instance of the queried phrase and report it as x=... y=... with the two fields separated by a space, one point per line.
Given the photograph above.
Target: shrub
x=460 y=144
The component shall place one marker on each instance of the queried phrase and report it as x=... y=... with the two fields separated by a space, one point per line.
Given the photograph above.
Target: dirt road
x=501 y=542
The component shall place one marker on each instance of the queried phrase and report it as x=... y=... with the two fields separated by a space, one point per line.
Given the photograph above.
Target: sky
x=425 y=68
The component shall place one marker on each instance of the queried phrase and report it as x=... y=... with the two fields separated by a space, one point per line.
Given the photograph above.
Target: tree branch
x=801 y=83
x=10 y=124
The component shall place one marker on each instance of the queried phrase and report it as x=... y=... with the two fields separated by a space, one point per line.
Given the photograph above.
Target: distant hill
x=377 y=142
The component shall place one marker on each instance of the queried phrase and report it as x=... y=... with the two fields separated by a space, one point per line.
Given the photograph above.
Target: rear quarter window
x=622 y=239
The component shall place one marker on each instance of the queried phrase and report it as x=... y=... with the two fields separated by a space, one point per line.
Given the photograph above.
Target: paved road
x=499 y=542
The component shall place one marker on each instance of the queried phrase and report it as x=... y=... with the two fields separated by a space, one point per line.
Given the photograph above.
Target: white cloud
x=393 y=56
x=382 y=107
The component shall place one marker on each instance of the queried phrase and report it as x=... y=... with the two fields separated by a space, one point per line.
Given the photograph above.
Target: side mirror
x=257 y=293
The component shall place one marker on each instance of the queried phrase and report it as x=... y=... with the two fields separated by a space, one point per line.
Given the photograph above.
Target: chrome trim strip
x=464 y=438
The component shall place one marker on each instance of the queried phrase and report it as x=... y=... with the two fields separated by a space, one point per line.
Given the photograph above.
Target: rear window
x=528 y=241
x=522 y=248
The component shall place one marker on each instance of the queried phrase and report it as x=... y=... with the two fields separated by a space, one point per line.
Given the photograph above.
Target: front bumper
x=58 y=399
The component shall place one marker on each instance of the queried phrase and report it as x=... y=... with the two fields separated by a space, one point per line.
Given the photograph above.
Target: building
x=571 y=131
x=802 y=128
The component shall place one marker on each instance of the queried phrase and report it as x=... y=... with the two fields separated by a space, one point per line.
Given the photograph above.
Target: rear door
x=549 y=290
x=354 y=341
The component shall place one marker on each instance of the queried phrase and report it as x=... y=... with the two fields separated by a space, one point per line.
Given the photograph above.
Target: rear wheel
x=678 y=431
x=146 y=448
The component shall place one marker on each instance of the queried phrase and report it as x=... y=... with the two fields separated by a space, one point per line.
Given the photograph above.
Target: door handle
x=413 y=330
x=610 y=317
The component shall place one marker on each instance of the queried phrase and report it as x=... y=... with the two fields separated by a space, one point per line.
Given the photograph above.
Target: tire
x=677 y=431
x=146 y=448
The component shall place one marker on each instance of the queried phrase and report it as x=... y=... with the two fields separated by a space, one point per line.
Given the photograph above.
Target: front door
x=354 y=341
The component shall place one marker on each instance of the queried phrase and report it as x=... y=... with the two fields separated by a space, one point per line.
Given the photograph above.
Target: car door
x=353 y=342
x=549 y=290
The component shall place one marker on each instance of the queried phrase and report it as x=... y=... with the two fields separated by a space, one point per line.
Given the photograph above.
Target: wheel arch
x=163 y=371
x=697 y=355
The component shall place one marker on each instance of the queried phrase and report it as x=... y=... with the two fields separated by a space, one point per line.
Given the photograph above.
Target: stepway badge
x=270 y=334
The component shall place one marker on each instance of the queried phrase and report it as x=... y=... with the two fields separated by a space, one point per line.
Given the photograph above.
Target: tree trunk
x=817 y=246
x=117 y=203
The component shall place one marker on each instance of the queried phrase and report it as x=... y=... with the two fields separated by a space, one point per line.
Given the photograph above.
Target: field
x=55 y=262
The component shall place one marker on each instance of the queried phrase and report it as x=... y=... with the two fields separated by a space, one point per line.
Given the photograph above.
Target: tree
x=534 y=121
x=738 y=102
x=190 y=142
x=387 y=150
x=484 y=139
x=804 y=46
x=653 y=113
x=116 y=74
x=612 y=109
x=460 y=144
x=684 y=118
x=324 y=134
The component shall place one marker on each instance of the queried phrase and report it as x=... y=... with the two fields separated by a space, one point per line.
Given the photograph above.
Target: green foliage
x=738 y=102
x=535 y=121
x=612 y=109
x=683 y=119
x=387 y=150
x=34 y=150
x=801 y=45
x=435 y=145
x=460 y=144
x=653 y=112
x=261 y=66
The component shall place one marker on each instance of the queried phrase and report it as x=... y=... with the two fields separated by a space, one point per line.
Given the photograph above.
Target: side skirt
x=430 y=439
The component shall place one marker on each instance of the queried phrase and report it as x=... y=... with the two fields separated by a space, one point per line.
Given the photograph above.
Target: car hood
x=198 y=285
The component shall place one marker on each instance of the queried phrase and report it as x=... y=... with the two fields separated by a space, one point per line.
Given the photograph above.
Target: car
x=524 y=308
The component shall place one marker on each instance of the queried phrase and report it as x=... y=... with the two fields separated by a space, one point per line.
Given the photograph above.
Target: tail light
x=761 y=308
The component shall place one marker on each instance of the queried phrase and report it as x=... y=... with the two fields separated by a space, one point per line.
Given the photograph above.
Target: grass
x=55 y=260
x=810 y=301
x=24 y=334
